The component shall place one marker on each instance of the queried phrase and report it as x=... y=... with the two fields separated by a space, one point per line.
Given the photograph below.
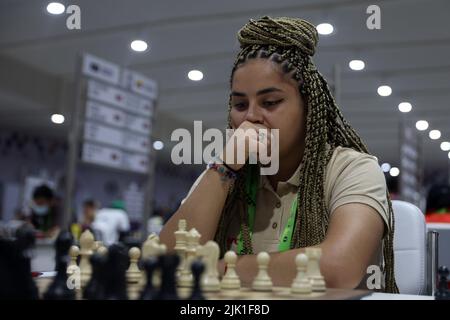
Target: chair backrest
x=409 y=248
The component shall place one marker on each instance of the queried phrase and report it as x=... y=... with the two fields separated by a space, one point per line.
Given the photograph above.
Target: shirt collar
x=294 y=180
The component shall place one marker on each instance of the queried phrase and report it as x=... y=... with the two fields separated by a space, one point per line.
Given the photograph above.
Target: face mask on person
x=39 y=210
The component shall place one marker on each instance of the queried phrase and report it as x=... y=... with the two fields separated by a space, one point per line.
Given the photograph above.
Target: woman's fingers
x=250 y=141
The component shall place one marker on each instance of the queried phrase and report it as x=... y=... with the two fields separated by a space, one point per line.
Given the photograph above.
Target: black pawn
x=5 y=268
x=149 y=265
x=12 y=285
x=59 y=289
x=116 y=267
x=168 y=288
x=197 y=268
x=443 y=293
x=95 y=288
x=24 y=243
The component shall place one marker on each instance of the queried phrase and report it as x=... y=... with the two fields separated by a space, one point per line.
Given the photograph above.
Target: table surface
x=438 y=226
x=391 y=296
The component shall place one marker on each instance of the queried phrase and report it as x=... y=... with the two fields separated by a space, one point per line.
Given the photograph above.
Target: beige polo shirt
x=351 y=177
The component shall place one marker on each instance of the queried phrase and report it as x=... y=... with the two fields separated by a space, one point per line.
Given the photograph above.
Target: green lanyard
x=286 y=236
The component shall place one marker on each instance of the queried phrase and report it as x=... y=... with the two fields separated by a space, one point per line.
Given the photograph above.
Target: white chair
x=410 y=248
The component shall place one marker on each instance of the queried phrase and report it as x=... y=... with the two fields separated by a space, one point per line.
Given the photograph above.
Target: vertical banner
x=410 y=165
x=119 y=108
x=112 y=126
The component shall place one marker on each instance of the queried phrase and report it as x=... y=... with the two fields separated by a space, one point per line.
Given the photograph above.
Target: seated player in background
x=90 y=208
x=111 y=224
x=438 y=204
x=328 y=185
x=44 y=212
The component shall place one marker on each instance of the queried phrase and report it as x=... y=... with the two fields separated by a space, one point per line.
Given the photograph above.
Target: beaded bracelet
x=219 y=160
x=223 y=171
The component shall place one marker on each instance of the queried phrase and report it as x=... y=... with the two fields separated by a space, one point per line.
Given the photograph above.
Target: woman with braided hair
x=329 y=192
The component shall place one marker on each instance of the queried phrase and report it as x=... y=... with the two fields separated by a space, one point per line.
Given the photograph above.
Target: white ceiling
x=410 y=53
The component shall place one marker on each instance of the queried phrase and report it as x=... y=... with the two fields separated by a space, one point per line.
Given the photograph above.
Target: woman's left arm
x=352 y=242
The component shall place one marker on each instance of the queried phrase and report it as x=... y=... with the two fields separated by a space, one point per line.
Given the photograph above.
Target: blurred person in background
x=89 y=210
x=157 y=219
x=43 y=211
x=438 y=204
x=111 y=224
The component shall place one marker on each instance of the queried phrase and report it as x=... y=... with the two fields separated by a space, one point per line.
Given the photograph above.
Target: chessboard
x=91 y=271
x=191 y=273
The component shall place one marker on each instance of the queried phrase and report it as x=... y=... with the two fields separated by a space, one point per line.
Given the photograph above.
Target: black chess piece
x=197 y=268
x=8 y=263
x=168 y=288
x=115 y=271
x=58 y=289
x=25 y=288
x=443 y=293
x=149 y=265
x=95 y=288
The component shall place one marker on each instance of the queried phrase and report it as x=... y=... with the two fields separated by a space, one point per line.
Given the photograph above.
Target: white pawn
x=230 y=280
x=86 y=251
x=301 y=283
x=133 y=272
x=134 y=275
x=73 y=252
x=262 y=280
x=313 y=271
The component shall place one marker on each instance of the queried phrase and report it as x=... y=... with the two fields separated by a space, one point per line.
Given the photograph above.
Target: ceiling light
x=422 y=125
x=384 y=91
x=55 y=8
x=158 y=145
x=394 y=172
x=195 y=75
x=434 y=134
x=325 y=28
x=356 y=65
x=405 y=107
x=57 y=118
x=139 y=45
x=445 y=146
x=386 y=167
